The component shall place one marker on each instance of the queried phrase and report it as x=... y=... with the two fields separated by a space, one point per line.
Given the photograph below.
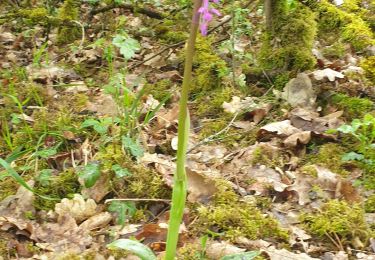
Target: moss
x=8 y=187
x=358 y=34
x=68 y=12
x=353 y=107
x=329 y=156
x=286 y=47
x=281 y=80
x=368 y=66
x=209 y=68
x=335 y=51
x=160 y=90
x=338 y=220
x=63 y=185
x=143 y=182
x=211 y=104
x=268 y=156
x=370 y=204
x=352 y=27
x=234 y=218
x=190 y=251
x=35 y=15
x=309 y=170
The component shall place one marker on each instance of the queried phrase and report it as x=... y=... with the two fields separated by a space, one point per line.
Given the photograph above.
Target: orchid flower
x=207 y=14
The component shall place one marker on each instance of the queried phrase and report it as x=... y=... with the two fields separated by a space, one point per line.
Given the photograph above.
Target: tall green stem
x=179 y=187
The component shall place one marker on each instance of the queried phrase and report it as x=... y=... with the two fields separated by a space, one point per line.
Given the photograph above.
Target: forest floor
x=281 y=163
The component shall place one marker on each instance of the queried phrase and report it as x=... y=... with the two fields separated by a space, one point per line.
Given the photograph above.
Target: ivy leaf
x=128 y=46
x=135 y=247
x=133 y=147
x=120 y=172
x=90 y=174
x=124 y=209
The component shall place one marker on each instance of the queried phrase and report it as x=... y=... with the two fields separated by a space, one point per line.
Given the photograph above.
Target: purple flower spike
x=207 y=15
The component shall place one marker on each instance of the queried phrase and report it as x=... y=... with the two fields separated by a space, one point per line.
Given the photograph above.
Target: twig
x=83 y=34
x=128 y=199
x=132 y=8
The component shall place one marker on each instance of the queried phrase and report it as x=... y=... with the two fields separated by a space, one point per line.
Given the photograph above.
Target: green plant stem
x=179 y=187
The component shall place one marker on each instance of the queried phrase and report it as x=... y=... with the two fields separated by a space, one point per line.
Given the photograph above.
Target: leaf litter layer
x=280 y=158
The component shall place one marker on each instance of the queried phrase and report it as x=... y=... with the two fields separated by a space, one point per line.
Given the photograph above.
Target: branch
x=132 y=8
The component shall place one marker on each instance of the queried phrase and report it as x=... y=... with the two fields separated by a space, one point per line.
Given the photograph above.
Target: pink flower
x=207 y=14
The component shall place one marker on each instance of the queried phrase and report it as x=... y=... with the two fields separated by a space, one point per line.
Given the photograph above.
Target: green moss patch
x=353 y=107
x=339 y=223
x=233 y=218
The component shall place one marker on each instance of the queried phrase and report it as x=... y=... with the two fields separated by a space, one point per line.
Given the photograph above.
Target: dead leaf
x=298 y=138
x=216 y=250
x=283 y=128
x=77 y=208
x=327 y=73
x=97 y=221
x=283 y=254
x=200 y=187
x=62 y=235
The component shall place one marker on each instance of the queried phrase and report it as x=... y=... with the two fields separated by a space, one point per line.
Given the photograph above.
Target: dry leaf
x=283 y=254
x=77 y=208
x=216 y=250
x=283 y=128
x=329 y=73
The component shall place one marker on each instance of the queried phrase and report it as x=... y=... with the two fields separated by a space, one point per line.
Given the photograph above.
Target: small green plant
x=89 y=173
x=364 y=132
x=123 y=209
x=135 y=247
x=127 y=45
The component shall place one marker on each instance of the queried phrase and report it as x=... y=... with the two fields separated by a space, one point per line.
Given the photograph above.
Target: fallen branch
x=132 y=8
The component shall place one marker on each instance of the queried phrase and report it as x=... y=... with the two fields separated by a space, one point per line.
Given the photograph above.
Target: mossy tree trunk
x=288 y=37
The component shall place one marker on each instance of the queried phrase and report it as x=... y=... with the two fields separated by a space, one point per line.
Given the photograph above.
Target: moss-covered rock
x=339 y=222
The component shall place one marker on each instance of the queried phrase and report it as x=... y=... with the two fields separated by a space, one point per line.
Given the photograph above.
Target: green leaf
x=133 y=147
x=89 y=122
x=135 y=247
x=353 y=156
x=124 y=209
x=120 y=172
x=44 y=177
x=346 y=129
x=128 y=46
x=241 y=256
x=90 y=174
x=12 y=173
x=46 y=153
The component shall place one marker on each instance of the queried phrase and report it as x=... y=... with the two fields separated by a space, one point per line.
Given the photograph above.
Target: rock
x=299 y=92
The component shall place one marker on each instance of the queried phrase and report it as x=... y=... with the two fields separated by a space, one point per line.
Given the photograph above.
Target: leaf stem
x=179 y=187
